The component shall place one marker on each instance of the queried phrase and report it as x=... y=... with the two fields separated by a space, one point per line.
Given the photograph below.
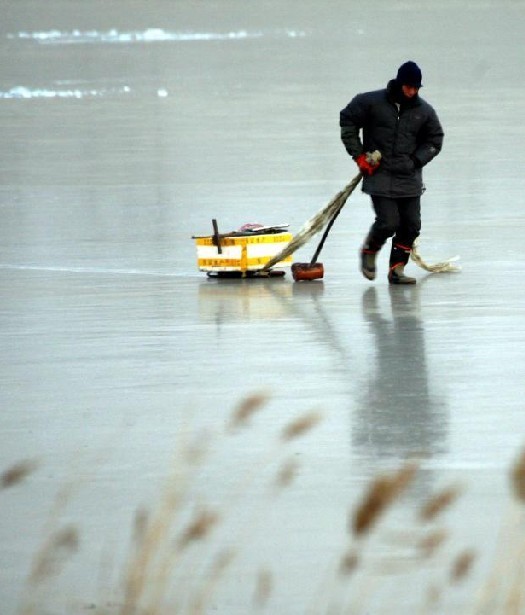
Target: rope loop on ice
x=441 y=267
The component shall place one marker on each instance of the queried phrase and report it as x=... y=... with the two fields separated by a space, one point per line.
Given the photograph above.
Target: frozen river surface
x=190 y=445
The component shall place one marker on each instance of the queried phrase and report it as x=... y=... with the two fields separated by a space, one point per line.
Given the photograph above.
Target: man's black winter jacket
x=408 y=136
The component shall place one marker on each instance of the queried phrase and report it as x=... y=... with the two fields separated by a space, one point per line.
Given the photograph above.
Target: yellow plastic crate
x=242 y=254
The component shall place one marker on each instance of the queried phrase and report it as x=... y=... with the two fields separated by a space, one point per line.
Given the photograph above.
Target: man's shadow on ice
x=398 y=414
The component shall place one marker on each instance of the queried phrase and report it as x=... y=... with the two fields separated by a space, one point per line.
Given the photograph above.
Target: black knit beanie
x=409 y=73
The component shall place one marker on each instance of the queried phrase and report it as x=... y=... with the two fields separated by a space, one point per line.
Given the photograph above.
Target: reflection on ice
x=224 y=301
x=147 y=36
x=399 y=412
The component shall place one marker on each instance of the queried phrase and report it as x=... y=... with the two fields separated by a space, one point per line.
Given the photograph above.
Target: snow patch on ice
x=149 y=35
x=24 y=92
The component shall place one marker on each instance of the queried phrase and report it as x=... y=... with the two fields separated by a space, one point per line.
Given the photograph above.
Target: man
x=407 y=132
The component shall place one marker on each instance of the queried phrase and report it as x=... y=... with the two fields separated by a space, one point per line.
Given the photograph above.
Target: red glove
x=366 y=163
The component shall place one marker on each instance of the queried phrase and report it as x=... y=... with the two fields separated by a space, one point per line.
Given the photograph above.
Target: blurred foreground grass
x=160 y=560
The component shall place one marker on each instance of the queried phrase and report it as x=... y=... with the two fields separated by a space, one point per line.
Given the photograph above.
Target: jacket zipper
x=394 y=143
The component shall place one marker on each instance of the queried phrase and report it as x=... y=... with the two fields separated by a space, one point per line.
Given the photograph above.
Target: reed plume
x=199 y=527
x=382 y=492
x=518 y=477
x=246 y=408
x=300 y=426
x=439 y=502
x=17 y=473
x=462 y=565
x=429 y=543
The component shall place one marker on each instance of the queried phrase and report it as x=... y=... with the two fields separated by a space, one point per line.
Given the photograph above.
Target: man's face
x=409 y=90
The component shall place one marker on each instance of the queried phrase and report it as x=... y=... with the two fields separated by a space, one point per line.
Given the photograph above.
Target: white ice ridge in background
x=57 y=37
x=23 y=92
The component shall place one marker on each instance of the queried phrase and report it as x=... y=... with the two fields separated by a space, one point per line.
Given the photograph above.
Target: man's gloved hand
x=368 y=163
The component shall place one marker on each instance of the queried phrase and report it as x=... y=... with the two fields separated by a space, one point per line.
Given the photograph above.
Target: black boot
x=396 y=275
x=398 y=259
x=368 y=254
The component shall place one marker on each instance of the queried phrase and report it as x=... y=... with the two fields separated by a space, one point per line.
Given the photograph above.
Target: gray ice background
x=126 y=127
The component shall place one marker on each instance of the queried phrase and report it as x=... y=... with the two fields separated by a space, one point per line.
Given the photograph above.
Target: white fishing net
x=440 y=267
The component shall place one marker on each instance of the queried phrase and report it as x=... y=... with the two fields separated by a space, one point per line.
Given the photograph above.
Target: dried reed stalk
x=263 y=588
x=515 y=602
x=206 y=588
x=151 y=533
x=197 y=530
x=48 y=562
x=140 y=526
x=382 y=492
x=54 y=553
x=433 y=597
